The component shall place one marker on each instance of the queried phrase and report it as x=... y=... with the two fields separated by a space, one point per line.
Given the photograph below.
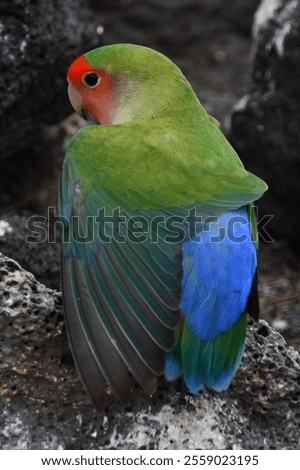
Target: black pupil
x=91 y=79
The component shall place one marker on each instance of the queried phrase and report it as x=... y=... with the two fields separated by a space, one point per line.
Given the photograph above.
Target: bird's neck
x=148 y=100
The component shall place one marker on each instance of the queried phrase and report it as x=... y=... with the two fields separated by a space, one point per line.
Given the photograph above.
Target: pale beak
x=75 y=98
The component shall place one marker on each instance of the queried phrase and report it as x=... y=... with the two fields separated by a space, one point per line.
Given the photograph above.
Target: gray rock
x=265 y=123
x=43 y=405
x=279 y=290
x=36 y=255
x=38 y=41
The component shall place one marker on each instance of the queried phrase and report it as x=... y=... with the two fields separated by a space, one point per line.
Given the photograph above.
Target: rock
x=18 y=240
x=264 y=125
x=40 y=391
x=38 y=41
x=208 y=39
x=279 y=290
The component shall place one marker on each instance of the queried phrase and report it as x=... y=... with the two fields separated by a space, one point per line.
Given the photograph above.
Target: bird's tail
x=210 y=363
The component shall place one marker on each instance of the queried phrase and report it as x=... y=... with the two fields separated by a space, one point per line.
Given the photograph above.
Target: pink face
x=91 y=89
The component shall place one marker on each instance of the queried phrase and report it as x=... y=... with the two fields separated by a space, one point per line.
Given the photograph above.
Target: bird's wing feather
x=121 y=292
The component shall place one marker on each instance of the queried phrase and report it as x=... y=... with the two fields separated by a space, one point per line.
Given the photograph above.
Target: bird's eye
x=91 y=79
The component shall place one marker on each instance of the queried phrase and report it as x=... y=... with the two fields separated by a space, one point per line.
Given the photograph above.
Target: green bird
x=159 y=245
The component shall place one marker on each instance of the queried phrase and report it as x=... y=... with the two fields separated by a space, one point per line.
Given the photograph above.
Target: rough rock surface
x=265 y=122
x=279 y=290
x=43 y=405
x=38 y=41
x=36 y=255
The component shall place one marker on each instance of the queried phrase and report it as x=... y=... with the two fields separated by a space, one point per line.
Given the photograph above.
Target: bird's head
x=91 y=91
x=124 y=82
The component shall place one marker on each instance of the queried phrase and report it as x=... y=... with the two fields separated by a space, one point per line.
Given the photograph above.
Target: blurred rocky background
x=243 y=59
x=38 y=40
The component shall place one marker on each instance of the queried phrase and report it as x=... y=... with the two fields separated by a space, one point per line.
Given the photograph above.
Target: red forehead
x=79 y=67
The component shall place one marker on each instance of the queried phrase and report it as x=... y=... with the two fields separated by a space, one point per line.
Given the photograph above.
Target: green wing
x=161 y=164
x=122 y=280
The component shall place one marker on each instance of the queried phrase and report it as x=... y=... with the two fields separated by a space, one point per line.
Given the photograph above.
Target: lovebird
x=159 y=246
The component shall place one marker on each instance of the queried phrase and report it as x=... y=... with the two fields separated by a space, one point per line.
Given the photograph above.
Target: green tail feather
x=208 y=363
